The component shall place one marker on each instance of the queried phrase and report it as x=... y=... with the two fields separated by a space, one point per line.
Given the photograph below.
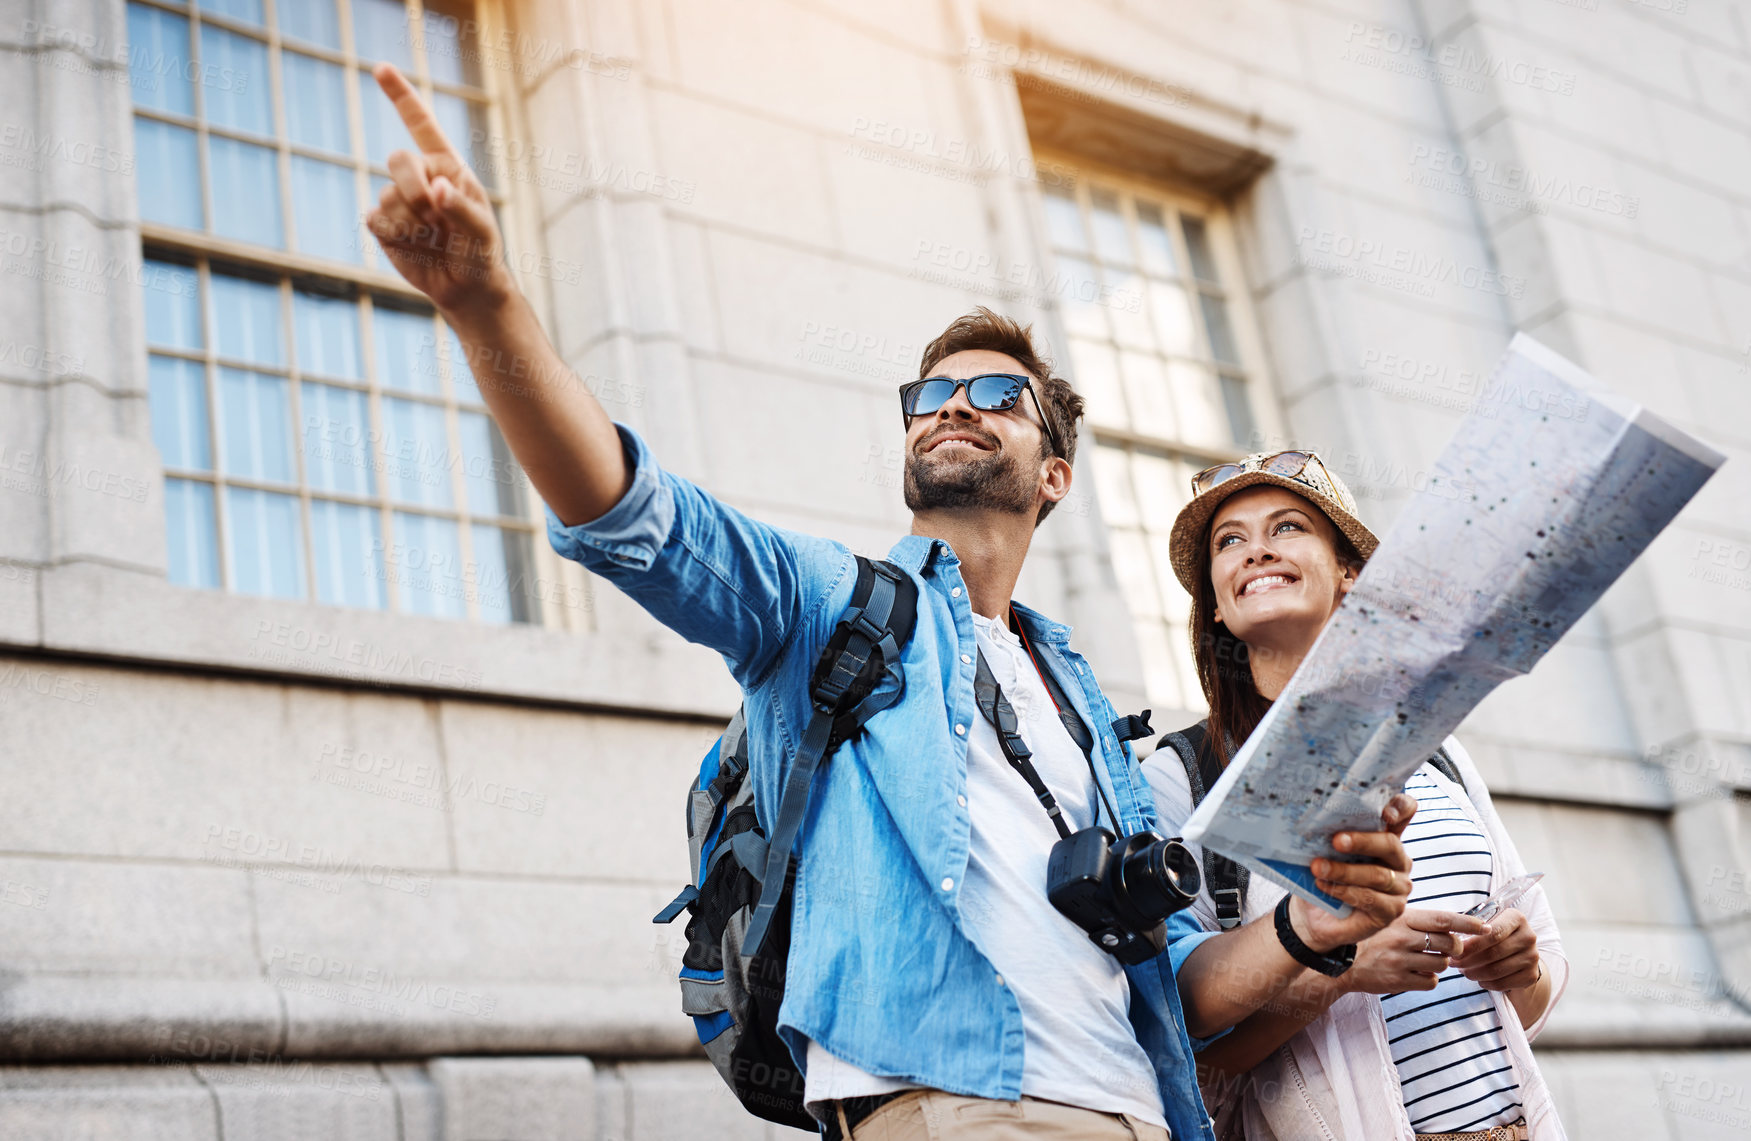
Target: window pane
x=464 y=125
x=502 y=579
x=267 y=547
x=246 y=191
x=1111 y=241
x=1064 y=220
x=328 y=334
x=337 y=440
x=1112 y=480
x=313 y=21
x=416 y=453
x=1203 y=418
x=158 y=60
x=1176 y=603
x=1198 y=246
x=1239 y=410
x=1125 y=304
x=380 y=32
x=173 y=305
x=234 y=70
x=383 y=129
x=347 y=550
x=168 y=174
x=1154 y=476
x=316 y=102
x=246 y=315
x=1216 y=322
x=256 y=414
x=188 y=521
x=1160 y=675
x=1147 y=394
x=427 y=566
x=246 y=11
x=407 y=358
x=1157 y=246
x=1172 y=316
x=1097 y=379
x=1079 y=291
x=324 y=210
x=494 y=481
x=177 y=397
x=1135 y=573
x=452 y=52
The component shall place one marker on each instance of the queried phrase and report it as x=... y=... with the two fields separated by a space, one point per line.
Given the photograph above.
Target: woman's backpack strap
x=1444 y=764
x=1226 y=879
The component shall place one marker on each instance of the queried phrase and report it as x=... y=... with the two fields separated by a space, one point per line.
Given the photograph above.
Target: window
x=1155 y=347
x=321 y=434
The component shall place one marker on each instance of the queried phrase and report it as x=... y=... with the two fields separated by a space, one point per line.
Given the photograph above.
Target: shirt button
x=961 y=800
x=948 y=883
x=966 y=659
x=999 y=980
x=960 y=730
x=955 y=593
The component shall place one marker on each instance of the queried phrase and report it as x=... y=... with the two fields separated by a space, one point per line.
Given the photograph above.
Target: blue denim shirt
x=883 y=971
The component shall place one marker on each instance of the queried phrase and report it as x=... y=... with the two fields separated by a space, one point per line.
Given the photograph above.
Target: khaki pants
x=931 y=1115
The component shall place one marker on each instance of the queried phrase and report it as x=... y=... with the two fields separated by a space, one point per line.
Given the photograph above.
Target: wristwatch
x=1332 y=964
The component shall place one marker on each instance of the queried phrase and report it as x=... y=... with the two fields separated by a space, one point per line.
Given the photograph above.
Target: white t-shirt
x=1074 y=998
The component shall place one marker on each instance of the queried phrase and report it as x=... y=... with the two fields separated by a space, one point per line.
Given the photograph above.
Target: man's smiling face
x=961 y=457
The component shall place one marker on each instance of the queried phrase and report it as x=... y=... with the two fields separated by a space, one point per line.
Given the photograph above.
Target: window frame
x=1184 y=455
x=363 y=283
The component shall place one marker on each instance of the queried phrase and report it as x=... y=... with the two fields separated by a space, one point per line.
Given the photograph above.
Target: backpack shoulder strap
x=1226 y=879
x=1444 y=764
x=863 y=652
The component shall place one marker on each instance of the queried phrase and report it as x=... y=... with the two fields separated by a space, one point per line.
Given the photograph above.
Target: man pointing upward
x=992 y=1009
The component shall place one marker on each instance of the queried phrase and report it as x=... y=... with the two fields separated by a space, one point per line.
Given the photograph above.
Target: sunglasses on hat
x=989 y=392
x=1288 y=464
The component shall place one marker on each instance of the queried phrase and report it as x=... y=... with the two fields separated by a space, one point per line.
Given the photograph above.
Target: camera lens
x=1159 y=878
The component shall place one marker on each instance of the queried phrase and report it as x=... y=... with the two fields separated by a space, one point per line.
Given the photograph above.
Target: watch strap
x=1331 y=964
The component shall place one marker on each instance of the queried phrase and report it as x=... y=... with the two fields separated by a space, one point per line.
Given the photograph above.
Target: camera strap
x=1001 y=715
x=997 y=710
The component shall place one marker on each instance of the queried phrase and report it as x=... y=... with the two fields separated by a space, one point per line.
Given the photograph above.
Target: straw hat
x=1314 y=483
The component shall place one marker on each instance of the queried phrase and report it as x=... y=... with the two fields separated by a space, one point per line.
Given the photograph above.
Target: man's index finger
x=417 y=117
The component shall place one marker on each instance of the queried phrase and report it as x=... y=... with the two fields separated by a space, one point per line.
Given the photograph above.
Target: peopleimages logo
x=1432 y=166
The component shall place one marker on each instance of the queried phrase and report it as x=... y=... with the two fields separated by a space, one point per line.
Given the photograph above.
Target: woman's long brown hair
x=1225 y=662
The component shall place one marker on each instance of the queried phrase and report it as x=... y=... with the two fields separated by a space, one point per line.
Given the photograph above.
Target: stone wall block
x=114 y=1103
x=517 y=1099
x=298 y=1099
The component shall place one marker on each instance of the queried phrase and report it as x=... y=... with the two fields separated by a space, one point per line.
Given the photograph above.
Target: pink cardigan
x=1334 y=1080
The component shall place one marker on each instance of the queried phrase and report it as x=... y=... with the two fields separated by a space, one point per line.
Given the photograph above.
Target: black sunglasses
x=990 y=392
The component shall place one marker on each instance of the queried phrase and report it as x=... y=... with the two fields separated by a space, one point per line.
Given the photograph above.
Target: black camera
x=1121 y=890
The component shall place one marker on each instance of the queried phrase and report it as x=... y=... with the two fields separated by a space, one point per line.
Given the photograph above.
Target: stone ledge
x=651 y=671
x=114 y=1019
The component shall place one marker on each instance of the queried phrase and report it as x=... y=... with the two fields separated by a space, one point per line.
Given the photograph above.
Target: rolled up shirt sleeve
x=700 y=567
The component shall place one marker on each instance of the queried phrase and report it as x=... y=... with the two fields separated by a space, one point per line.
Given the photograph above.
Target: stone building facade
x=337 y=806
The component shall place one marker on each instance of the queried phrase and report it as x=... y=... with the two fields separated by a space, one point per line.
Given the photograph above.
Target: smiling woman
x=1268 y=548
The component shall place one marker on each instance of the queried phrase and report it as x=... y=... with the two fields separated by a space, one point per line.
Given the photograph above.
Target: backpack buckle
x=677 y=905
x=1133 y=726
x=1227 y=906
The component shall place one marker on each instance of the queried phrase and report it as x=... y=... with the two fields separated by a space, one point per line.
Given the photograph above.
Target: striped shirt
x=1453 y=1065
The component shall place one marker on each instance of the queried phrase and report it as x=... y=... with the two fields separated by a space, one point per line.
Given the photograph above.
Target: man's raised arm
x=435 y=223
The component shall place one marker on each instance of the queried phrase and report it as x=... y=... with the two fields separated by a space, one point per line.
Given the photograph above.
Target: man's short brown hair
x=983 y=329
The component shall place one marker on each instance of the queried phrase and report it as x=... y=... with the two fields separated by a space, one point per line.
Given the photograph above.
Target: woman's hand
x=1375 y=887
x=1410 y=953
x=1505 y=958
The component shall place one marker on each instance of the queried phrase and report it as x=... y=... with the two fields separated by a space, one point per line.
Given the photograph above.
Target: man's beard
x=990 y=481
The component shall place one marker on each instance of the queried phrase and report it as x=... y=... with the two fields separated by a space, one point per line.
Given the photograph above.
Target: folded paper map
x=1562 y=485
